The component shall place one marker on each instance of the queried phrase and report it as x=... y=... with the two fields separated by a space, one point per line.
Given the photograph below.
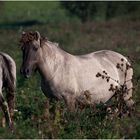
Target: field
x=32 y=120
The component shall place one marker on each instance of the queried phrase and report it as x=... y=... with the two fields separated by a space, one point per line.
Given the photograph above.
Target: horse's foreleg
x=70 y=102
x=47 y=112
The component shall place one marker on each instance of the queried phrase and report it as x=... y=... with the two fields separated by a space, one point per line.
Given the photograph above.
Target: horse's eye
x=35 y=48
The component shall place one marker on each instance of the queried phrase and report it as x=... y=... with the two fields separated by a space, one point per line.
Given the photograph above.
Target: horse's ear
x=23 y=33
x=37 y=35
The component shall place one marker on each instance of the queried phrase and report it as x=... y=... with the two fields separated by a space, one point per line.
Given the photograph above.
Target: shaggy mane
x=30 y=36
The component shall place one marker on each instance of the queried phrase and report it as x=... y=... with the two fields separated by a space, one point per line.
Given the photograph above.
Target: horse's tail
x=129 y=84
x=10 y=70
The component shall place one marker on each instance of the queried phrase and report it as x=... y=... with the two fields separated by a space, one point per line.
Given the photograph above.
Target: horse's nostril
x=27 y=71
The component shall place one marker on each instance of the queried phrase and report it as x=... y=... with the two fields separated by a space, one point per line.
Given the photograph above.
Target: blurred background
x=79 y=28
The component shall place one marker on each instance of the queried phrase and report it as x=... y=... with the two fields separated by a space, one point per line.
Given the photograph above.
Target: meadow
x=32 y=120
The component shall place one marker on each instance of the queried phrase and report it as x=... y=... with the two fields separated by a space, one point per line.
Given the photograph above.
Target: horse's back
x=105 y=60
x=10 y=66
x=9 y=58
x=112 y=55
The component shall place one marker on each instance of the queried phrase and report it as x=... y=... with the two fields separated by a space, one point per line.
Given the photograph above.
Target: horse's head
x=30 y=45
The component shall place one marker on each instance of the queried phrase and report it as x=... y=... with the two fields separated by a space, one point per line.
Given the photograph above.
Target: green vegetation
x=102 y=10
x=52 y=20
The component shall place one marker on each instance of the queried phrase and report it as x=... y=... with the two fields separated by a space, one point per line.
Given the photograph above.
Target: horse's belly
x=98 y=88
x=101 y=95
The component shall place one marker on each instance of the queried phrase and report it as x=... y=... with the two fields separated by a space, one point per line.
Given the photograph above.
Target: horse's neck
x=53 y=58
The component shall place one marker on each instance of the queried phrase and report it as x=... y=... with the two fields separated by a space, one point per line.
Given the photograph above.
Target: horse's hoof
x=11 y=126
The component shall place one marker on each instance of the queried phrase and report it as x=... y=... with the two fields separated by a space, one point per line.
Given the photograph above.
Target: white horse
x=70 y=77
x=7 y=82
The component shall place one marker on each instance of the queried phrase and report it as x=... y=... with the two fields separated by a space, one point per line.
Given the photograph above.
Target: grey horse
x=70 y=77
x=7 y=82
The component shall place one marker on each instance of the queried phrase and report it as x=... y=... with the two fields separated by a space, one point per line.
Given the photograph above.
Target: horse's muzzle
x=26 y=72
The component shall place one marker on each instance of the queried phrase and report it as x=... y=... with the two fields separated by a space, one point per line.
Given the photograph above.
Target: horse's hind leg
x=11 y=104
x=2 y=119
x=5 y=109
x=128 y=95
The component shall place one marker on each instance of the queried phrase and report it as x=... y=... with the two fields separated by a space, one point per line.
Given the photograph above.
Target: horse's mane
x=53 y=43
x=31 y=36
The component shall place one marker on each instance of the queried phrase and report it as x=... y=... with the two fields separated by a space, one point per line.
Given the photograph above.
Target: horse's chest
x=45 y=86
x=49 y=90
